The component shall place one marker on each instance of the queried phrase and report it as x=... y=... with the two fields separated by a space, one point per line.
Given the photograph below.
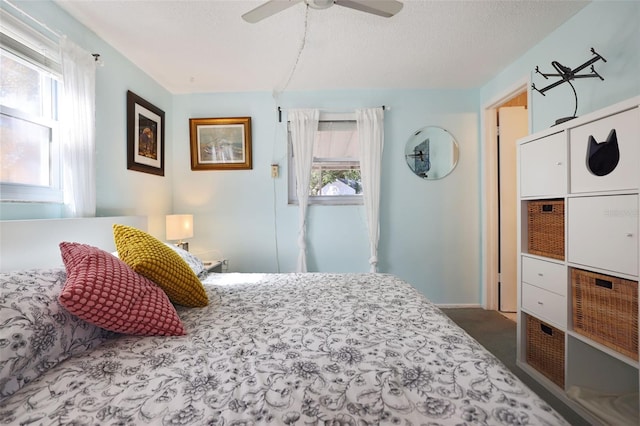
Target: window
x=29 y=86
x=335 y=171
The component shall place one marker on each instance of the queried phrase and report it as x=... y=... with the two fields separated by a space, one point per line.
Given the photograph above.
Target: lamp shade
x=179 y=226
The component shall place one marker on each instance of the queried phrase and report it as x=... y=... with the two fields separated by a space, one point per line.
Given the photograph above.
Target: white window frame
x=28 y=45
x=326 y=200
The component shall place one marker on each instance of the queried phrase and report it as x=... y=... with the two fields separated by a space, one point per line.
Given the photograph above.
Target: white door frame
x=489 y=189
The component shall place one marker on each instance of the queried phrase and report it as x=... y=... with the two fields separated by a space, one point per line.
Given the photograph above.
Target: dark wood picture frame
x=145 y=136
x=220 y=143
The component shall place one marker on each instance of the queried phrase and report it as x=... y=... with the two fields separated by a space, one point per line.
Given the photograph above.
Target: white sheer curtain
x=77 y=122
x=371 y=138
x=304 y=125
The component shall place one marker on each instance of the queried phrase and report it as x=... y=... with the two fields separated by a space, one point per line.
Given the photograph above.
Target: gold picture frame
x=220 y=143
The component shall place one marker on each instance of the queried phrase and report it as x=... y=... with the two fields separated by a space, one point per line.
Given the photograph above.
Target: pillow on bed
x=152 y=258
x=103 y=290
x=194 y=262
x=36 y=332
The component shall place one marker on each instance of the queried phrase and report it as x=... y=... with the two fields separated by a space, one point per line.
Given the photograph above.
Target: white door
x=513 y=126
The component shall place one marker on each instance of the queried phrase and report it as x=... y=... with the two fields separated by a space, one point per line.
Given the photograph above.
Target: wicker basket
x=545 y=350
x=546 y=228
x=605 y=309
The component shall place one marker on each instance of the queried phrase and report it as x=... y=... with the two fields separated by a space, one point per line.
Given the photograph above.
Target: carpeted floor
x=498 y=334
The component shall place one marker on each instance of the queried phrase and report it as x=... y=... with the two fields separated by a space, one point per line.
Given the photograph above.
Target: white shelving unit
x=600 y=235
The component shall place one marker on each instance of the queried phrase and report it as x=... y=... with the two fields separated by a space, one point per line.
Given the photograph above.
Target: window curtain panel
x=370 y=124
x=304 y=126
x=77 y=137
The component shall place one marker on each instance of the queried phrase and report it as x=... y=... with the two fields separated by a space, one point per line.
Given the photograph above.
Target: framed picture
x=145 y=136
x=220 y=143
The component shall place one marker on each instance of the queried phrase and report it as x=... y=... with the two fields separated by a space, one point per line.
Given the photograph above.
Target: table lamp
x=180 y=226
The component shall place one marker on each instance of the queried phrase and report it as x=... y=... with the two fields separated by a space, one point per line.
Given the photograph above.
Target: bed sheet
x=335 y=349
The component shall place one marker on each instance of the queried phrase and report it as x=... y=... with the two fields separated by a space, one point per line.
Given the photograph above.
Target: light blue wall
x=428 y=228
x=430 y=231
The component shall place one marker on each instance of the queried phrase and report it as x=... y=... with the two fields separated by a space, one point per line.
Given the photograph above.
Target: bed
x=285 y=349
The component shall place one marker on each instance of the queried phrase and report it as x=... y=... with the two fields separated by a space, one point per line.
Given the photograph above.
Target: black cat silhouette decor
x=603 y=157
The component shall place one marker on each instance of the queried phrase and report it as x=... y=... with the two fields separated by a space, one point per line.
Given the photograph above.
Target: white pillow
x=196 y=265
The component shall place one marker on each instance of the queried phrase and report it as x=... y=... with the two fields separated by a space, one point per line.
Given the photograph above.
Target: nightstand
x=213 y=265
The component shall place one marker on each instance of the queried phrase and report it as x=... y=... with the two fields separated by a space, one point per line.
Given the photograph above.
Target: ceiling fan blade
x=267 y=9
x=385 y=8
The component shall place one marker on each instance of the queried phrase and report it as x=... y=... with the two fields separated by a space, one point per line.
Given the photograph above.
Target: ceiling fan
x=385 y=8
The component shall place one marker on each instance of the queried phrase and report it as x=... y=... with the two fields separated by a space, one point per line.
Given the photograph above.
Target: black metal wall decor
x=603 y=157
x=567 y=74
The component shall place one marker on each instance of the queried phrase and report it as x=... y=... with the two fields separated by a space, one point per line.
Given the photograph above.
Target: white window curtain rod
x=24 y=14
x=384 y=108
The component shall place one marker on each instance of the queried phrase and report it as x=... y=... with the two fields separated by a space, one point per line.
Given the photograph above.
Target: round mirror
x=431 y=153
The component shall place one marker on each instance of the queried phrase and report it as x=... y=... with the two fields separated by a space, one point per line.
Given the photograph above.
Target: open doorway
x=506 y=120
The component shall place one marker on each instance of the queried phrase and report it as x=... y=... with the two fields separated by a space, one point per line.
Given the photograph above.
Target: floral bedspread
x=288 y=349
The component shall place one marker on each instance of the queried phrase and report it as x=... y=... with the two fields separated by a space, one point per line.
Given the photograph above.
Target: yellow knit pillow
x=151 y=258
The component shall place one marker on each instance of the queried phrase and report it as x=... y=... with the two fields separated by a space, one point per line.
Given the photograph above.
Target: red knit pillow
x=102 y=290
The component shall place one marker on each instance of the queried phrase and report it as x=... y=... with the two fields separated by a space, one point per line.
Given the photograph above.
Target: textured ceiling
x=192 y=46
